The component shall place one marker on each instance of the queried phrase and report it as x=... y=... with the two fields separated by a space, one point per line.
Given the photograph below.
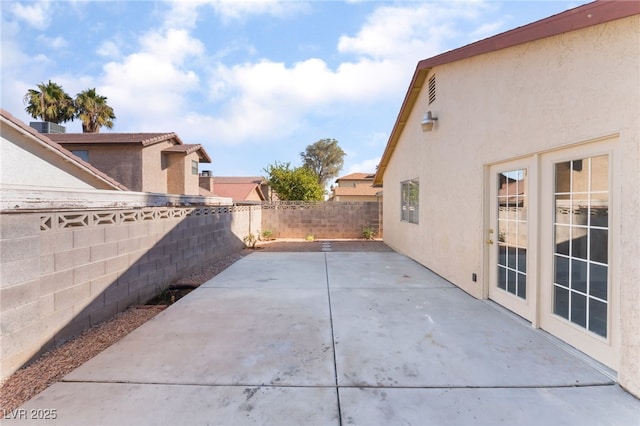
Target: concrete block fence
x=62 y=272
x=323 y=220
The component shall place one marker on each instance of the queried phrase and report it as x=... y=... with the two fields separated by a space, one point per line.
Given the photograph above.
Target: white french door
x=551 y=244
x=509 y=244
x=579 y=295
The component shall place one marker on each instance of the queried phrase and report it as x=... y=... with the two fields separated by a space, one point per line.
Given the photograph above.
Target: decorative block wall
x=63 y=272
x=323 y=220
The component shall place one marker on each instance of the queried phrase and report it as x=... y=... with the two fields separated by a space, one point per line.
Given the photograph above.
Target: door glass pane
x=598 y=317
x=563 y=237
x=578 y=275
x=600 y=173
x=581 y=242
x=579 y=309
x=512 y=207
x=561 y=302
x=563 y=177
x=598 y=245
x=598 y=281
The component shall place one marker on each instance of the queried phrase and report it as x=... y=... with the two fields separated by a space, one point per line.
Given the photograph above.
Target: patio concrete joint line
x=333 y=340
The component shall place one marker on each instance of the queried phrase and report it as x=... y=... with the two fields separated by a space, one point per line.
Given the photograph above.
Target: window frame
x=194 y=167
x=410 y=205
x=83 y=154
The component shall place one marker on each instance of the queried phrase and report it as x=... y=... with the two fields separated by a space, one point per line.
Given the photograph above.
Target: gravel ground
x=58 y=362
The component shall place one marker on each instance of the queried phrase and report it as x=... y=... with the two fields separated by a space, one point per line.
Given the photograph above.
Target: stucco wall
x=156 y=168
x=121 y=162
x=322 y=220
x=526 y=100
x=26 y=164
x=191 y=180
x=63 y=272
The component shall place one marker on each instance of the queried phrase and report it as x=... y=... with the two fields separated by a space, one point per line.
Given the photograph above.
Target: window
x=83 y=154
x=194 y=167
x=410 y=194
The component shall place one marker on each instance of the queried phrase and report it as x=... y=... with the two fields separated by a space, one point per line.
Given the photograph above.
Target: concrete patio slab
x=598 y=405
x=336 y=338
x=379 y=270
x=222 y=336
x=273 y=270
x=150 y=404
x=442 y=338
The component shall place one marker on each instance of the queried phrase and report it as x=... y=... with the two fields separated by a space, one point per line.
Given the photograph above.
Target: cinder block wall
x=323 y=220
x=61 y=273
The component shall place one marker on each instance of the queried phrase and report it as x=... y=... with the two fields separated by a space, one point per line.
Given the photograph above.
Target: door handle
x=489 y=241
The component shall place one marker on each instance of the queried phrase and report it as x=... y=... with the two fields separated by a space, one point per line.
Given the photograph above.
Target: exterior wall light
x=427 y=122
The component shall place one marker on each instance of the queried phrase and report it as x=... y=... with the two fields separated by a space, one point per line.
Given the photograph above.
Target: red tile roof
x=356 y=176
x=238 y=179
x=143 y=139
x=595 y=13
x=44 y=139
x=188 y=149
x=236 y=191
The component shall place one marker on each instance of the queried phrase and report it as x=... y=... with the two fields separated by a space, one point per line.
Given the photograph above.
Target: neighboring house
x=355 y=187
x=31 y=161
x=239 y=188
x=145 y=162
x=522 y=185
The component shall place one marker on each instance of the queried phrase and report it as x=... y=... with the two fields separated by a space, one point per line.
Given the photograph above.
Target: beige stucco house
x=30 y=160
x=145 y=162
x=355 y=187
x=513 y=170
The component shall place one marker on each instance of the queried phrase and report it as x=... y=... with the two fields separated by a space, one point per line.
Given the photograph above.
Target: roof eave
x=595 y=13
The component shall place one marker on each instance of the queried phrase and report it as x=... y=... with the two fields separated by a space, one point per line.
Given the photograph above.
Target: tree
x=300 y=183
x=50 y=103
x=93 y=111
x=325 y=158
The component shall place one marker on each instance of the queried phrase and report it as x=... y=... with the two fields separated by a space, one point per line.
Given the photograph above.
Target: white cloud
x=55 y=42
x=152 y=85
x=277 y=96
x=35 y=14
x=172 y=46
x=184 y=14
x=487 y=30
x=108 y=49
x=365 y=166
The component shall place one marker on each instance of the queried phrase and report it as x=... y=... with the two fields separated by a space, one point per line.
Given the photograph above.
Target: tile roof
x=188 y=149
x=143 y=139
x=236 y=191
x=58 y=149
x=591 y=14
x=357 y=176
x=238 y=179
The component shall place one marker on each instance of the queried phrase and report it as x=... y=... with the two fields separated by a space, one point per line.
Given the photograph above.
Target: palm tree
x=94 y=112
x=50 y=103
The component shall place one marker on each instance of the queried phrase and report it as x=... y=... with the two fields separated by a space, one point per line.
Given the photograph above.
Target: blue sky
x=254 y=82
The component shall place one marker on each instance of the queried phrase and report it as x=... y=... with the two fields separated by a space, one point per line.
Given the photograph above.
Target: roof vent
x=432 y=89
x=47 y=127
